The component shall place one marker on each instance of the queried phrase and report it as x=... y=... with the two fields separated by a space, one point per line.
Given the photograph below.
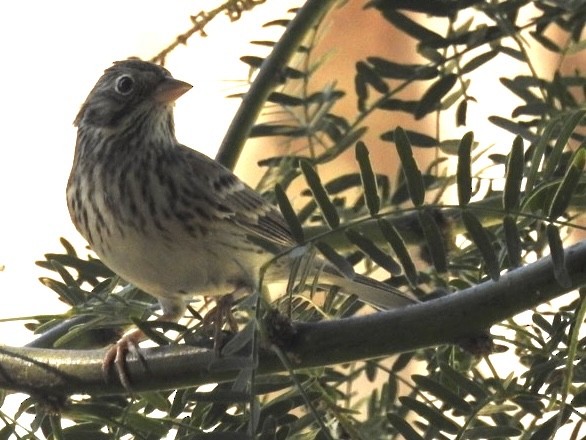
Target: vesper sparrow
x=166 y=218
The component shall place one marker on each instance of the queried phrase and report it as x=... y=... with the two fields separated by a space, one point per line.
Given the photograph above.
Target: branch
x=441 y=321
x=269 y=72
x=232 y=8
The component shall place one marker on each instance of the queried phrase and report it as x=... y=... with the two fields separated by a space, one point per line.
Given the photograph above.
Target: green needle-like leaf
x=443 y=393
x=464 y=173
x=328 y=210
x=431 y=99
x=514 y=176
x=400 y=249
x=482 y=240
x=336 y=259
x=558 y=256
x=512 y=241
x=431 y=414
x=404 y=428
x=368 y=178
x=380 y=257
x=565 y=133
x=412 y=174
x=570 y=181
x=435 y=241
x=289 y=214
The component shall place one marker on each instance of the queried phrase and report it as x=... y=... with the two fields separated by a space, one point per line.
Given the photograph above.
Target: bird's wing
x=229 y=199
x=233 y=200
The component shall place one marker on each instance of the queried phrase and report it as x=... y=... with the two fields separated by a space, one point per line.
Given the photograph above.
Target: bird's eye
x=124 y=84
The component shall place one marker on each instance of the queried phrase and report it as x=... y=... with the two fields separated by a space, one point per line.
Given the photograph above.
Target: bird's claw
x=115 y=358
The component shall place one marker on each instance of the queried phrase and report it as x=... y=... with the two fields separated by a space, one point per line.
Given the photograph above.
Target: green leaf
x=368 y=178
x=347 y=181
x=342 y=145
x=410 y=27
x=400 y=424
x=289 y=214
x=547 y=429
x=462 y=382
x=512 y=241
x=568 y=185
x=7 y=431
x=410 y=169
x=361 y=92
x=558 y=256
x=336 y=259
x=435 y=241
x=240 y=340
x=461 y=113
x=284 y=99
x=328 y=210
x=538 y=153
x=269 y=129
x=579 y=399
x=67 y=295
x=514 y=178
x=431 y=414
x=464 y=172
x=513 y=127
x=440 y=391
x=370 y=76
x=566 y=131
x=400 y=249
x=399 y=105
x=381 y=258
x=431 y=99
x=483 y=242
x=546 y=42
x=389 y=69
x=516 y=54
x=519 y=88
x=487 y=432
x=149 y=328
x=533 y=109
x=478 y=61
x=140 y=422
x=416 y=139
x=157 y=400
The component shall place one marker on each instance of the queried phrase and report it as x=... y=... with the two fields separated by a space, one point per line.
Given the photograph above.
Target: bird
x=168 y=219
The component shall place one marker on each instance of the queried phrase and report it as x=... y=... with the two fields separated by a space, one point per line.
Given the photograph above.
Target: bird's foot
x=218 y=316
x=115 y=357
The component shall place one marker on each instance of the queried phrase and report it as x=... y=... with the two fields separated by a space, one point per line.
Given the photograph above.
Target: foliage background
x=457 y=394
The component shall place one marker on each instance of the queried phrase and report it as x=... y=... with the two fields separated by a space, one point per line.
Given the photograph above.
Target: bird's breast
x=157 y=235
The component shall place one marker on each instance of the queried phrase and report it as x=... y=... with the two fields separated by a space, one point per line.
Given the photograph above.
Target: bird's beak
x=170 y=89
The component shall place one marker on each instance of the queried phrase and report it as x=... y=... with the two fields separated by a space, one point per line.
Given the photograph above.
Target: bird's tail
x=371 y=291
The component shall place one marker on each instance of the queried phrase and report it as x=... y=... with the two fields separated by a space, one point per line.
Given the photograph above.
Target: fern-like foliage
x=428 y=233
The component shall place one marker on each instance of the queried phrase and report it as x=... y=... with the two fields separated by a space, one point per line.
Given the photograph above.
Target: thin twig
x=232 y=8
x=267 y=77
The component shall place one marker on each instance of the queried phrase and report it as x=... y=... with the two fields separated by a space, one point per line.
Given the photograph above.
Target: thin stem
x=260 y=89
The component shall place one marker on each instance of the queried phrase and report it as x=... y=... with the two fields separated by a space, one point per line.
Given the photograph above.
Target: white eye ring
x=124 y=84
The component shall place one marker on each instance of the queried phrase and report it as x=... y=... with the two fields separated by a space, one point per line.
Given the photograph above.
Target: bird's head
x=129 y=91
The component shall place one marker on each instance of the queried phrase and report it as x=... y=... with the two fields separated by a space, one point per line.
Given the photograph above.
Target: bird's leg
x=115 y=357
x=222 y=313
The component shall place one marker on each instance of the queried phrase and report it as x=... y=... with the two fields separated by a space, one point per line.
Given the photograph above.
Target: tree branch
x=444 y=320
x=268 y=74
